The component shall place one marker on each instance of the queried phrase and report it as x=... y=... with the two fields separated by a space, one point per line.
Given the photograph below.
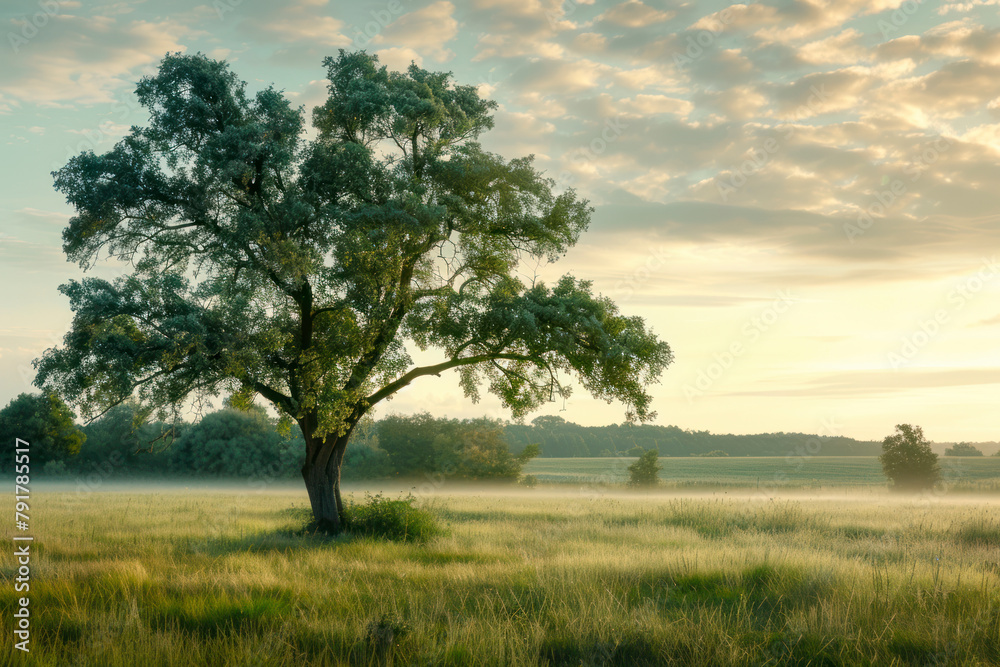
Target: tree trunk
x=321 y=472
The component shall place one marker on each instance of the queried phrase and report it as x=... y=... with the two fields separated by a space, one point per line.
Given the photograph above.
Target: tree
x=645 y=471
x=298 y=270
x=46 y=423
x=409 y=441
x=466 y=449
x=908 y=461
x=963 y=449
x=364 y=459
x=236 y=443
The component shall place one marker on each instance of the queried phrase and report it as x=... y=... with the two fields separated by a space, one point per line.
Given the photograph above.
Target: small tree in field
x=300 y=270
x=908 y=461
x=645 y=471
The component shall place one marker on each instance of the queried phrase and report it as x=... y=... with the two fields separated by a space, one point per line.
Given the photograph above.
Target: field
x=764 y=473
x=550 y=576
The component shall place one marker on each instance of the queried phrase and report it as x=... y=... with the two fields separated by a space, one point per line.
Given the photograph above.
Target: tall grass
x=211 y=578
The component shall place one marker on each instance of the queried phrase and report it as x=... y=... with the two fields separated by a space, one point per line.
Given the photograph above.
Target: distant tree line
x=251 y=444
x=964 y=449
x=559 y=438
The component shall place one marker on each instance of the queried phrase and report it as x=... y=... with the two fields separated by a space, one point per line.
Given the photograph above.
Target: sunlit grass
x=224 y=578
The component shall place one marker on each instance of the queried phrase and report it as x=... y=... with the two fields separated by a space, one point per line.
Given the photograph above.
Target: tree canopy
x=645 y=472
x=908 y=461
x=46 y=423
x=963 y=449
x=264 y=263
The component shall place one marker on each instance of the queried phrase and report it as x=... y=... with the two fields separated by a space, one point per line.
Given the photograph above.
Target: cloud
x=651 y=105
x=955 y=89
x=634 y=14
x=876 y=382
x=514 y=28
x=948 y=7
x=558 y=77
x=297 y=23
x=425 y=31
x=399 y=58
x=75 y=59
x=955 y=40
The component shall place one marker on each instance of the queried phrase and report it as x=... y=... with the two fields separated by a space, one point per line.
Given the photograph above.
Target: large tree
x=265 y=263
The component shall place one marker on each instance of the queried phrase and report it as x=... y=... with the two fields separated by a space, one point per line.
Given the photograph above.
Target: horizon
x=798 y=203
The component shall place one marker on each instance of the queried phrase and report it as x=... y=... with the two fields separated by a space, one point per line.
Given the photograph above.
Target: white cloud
x=425 y=31
x=85 y=60
x=399 y=58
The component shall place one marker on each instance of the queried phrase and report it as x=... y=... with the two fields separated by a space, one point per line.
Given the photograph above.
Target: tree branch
x=437 y=369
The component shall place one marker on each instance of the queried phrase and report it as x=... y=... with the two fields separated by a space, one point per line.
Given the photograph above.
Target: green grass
x=546 y=576
x=764 y=472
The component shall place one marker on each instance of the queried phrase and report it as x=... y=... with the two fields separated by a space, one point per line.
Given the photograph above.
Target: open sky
x=799 y=196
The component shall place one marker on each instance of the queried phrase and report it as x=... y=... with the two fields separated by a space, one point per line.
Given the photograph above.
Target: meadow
x=765 y=472
x=556 y=575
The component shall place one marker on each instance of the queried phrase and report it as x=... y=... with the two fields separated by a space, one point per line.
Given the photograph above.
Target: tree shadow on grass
x=297 y=534
x=382 y=520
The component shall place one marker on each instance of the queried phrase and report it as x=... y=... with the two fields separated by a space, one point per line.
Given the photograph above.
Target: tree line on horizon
x=250 y=443
x=563 y=439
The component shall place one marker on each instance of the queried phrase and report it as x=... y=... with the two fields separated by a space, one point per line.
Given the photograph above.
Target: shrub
x=645 y=471
x=398 y=520
x=529 y=481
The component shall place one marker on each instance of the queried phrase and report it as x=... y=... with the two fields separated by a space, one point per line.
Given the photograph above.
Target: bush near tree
x=908 y=461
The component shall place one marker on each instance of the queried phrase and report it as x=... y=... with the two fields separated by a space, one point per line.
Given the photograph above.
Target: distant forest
x=561 y=439
x=252 y=444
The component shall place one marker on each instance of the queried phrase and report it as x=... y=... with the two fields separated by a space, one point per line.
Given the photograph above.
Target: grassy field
x=773 y=472
x=548 y=576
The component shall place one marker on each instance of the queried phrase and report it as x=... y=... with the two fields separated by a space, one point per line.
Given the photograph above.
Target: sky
x=799 y=196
